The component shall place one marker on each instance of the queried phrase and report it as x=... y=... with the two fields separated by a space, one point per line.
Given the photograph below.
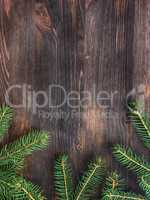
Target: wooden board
x=99 y=46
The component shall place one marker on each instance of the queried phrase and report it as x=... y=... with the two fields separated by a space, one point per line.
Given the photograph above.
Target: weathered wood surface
x=80 y=45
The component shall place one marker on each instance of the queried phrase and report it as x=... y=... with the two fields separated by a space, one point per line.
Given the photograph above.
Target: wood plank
x=100 y=46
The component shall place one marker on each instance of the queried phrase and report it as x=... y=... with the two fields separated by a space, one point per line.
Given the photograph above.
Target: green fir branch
x=26 y=190
x=145 y=184
x=141 y=123
x=90 y=180
x=5 y=120
x=119 y=195
x=15 y=152
x=115 y=182
x=12 y=186
x=63 y=178
x=130 y=160
x=17 y=188
x=6 y=185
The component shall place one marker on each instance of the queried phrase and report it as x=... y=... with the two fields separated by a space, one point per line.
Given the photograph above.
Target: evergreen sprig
x=63 y=178
x=87 y=185
x=17 y=188
x=114 y=189
x=144 y=183
x=15 y=152
x=141 y=122
x=115 y=182
x=131 y=160
x=26 y=190
x=13 y=186
x=119 y=195
x=5 y=120
x=90 y=180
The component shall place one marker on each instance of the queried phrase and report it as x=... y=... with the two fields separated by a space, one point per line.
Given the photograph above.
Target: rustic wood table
x=53 y=54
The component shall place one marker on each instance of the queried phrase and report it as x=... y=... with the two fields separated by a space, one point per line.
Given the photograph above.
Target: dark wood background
x=77 y=44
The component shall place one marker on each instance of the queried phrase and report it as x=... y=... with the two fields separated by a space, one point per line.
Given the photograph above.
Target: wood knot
x=7 y=6
x=42 y=19
x=88 y=4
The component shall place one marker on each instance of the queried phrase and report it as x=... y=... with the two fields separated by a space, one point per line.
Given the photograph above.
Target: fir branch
x=145 y=184
x=26 y=190
x=114 y=181
x=130 y=160
x=5 y=119
x=15 y=152
x=90 y=180
x=117 y=195
x=141 y=123
x=13 y=187
x=6 y=185
x=63 y=178
x=17 y=188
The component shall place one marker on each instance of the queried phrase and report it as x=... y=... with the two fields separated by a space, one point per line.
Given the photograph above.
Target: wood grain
x=100 y=45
